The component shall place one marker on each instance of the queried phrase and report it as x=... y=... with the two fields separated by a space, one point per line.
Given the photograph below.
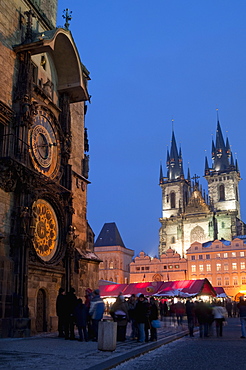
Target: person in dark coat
x=80 y=315
x=131 y=312
x=242 y=313
x=60 y=311
x=71 y=302
x=142 y=317
x=203 y=313
x=153 y=316
x=88 y=298
x=190 y=313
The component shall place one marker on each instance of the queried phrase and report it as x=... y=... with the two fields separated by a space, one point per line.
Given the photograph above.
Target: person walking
x=71 y=301
x=153 y=316
x=242 y=314
x=141 y=314
x=80 y=315
x=190 y=313
x=60 y=311
x=131 y=312
x=96 y=311
x=119 y=312
x=220 y=314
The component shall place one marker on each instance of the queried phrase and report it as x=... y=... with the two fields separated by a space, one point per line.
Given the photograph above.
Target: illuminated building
x=170 y=266
x=188 y=214
x=115 y=257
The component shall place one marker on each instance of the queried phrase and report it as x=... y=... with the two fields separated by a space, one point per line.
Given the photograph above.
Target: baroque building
x=116 y=258
x=45 y=239
x=188 y=214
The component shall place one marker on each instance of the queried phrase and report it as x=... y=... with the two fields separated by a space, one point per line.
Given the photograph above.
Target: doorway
x=41 y=324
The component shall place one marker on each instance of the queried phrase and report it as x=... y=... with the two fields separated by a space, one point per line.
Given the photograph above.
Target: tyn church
x=188 y=214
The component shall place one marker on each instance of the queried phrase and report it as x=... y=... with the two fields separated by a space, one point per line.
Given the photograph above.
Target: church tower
x=223 y=178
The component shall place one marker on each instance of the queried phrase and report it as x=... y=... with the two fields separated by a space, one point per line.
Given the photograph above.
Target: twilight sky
x=152 y=62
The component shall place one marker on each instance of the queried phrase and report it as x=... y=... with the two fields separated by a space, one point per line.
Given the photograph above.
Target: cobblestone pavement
x=47 y=351
x=228 y=352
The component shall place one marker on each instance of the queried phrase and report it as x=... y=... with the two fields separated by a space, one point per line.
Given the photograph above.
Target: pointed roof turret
x=161 y=175
x=232 y=160
x=220 y=152
x=109 y=236
x=174 y=161
x=206 y=166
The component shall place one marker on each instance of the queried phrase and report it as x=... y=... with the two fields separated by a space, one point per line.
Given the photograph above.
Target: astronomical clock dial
x=44 y=144
x=46 y=232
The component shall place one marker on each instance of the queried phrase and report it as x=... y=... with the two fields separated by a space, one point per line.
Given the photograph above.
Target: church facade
x=188 y=214
x=45 y=239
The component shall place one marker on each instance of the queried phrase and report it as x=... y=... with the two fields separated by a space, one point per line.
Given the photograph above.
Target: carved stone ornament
x=6 y=114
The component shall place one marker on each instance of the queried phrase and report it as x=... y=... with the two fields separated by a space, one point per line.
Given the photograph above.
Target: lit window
x=242 y=265
x=234 y=266
x=200 y=268
x=193 y=268
x=200 y=256
x=218 y=255
x=227 y=281
x=233 y=254
x=193 y=258
x=235 y=282
x=209 y=267
x=170 y=266
x=225 y=255
x=218 y=266
x=207 y=256
x=243 y=279
x=226 y=267
x=219 y=281
x=111 y=264
x=177 y=266
x=241 y=254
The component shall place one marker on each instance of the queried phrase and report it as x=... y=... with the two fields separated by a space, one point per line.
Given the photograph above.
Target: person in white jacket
x=220 y=315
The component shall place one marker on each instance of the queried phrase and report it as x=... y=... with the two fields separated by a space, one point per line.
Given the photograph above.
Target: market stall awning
x=112 y=290
x=220 y=293
x=186 y=288
x=145 y=288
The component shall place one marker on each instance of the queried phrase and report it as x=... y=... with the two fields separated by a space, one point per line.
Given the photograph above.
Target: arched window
x=173 y=200
x=111 y=264
x=236 y=193
x=173 y=240
x=222 y=192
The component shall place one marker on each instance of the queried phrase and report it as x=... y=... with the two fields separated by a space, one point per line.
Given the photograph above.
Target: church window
x=235 y=280
x=222 y=192
x=234 y=266
x=227 y=281
x=233 y=254
x=197 y=234
x=201 y=268
x=218 y=266
x=222 y=225
x=228 y=177
x=208 y=266
x=226 y=267
x=207 y=256
x=173 y=200
x=200 y=256
x=242 y=264
x=241 y=254
x=193 y=257
x=236 y=193
x=220 y=179
x=225 y=255
x=243 y=279
x=219 y=281
x=173 y=240
x=193 y=268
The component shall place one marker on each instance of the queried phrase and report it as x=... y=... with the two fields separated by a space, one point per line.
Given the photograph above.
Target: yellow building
x=222 y=262
x=170 y=266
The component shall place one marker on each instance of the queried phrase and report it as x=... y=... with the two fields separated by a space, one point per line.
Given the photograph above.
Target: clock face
x=44 y=144
x=46 y=232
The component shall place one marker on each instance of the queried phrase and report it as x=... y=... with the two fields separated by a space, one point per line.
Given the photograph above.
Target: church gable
x=197 y=204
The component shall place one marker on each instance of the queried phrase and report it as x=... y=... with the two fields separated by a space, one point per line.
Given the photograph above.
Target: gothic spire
x=206 y=166
x=174 y=161
x=161 y=175
x=220 y=151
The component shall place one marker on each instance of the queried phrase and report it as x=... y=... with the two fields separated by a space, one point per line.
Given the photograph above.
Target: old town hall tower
x=188 y=214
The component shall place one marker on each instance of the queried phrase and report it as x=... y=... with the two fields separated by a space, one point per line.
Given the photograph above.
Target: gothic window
x=236 y=193
x=111 y=264
x=197 y=234
x=222 y=225
x=173 y=240
x=222 y=192
x=173 y=200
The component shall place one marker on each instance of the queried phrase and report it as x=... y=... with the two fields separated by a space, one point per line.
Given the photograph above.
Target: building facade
x=188 y=214
x=115 y=257
x=222 y=262
x=45 y=239
x=170 y=266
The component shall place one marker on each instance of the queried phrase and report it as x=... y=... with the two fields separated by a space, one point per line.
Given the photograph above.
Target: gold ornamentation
x=46 y=229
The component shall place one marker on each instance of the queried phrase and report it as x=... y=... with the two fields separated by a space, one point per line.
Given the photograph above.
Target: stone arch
x=197 y=234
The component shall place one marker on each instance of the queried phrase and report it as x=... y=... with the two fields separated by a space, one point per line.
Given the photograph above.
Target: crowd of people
x=143 y=315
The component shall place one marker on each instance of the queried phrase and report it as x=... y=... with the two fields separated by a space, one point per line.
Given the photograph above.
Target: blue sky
x=151 y=62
